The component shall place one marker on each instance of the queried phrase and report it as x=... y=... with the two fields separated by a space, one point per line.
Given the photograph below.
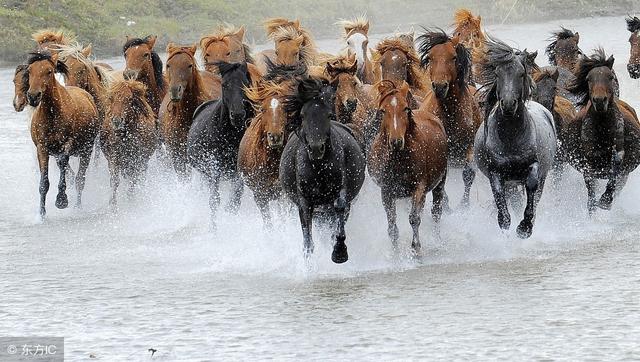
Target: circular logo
x=11 y=349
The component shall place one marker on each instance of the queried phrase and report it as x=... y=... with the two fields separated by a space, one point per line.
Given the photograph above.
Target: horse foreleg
x=497 y=187
x=263 y=205
x=214 y=197
x=237 y=189
x=390 y=209
x=607 y=197
x=590 y=183
x=341 y=207
x=533 y=182
x=436 y=209
x=61 y=199
x=43 y=163
x=114 y=180
x=415 y=217
x=468 y=175
x=305 y=210
x=81 y=175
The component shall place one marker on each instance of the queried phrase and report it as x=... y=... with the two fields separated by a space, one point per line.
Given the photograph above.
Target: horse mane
x=227 y=68
x=561 y=34
x=58 y=36
x=498 y=53
x=341 y=63
x=633 y=24
x=398 y=43
x=138 y=102
x=221 y=32
x=281 y=72
x=156 y=62
x=20 y=68
x=543 y=73
x=307 y=90
x=308 y=50
x=74 y=50
x=431 y=38
x=358 y=24
x=45 y=55
x=580 y=85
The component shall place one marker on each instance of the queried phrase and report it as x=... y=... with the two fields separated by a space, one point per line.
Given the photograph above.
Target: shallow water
x=154 y=276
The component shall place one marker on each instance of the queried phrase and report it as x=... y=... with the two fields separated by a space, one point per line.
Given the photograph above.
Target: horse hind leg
x=340 y=254
x=61 y=199
x=81 y=176
x=606 y=200
x=436 y=209
x=237 y=189
x=263 y=205
x=468 y=176
x=590 y=183
x=214 y=197
x=533 y=186
x=43 y=163
x=390 y=209
x=415 y=217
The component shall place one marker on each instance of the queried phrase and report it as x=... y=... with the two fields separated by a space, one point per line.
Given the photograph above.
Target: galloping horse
x=633 y=67
x=225 y=44
x=128 y=136
x=294 y=45
x=188 y=88
x=216 y=131
x=517 y=142
x=352 y=99
x=48 y=37
x=64 y=124
x=397 y=61
x=451 y=99
x=144 y=65
x=20 y=86
x=563 y=52
x=408 y=158
x=322 y=164
x=604 y=140
x=356 y=37
x=468 y=30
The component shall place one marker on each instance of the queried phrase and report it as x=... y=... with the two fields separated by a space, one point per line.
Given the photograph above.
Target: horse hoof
x=524 y=230
x=504 y=222
x=340 y=254
x=62 y=201
x=416 y=251
x=605 y=203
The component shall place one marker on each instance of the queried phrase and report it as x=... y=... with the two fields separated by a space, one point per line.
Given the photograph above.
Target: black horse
x=322 y=164
x=604 y=140
x=517 y=142
x=214 y=137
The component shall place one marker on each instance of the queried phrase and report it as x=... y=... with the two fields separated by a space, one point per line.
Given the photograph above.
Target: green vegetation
x=104 y=23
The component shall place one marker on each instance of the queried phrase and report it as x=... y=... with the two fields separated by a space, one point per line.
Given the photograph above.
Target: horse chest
x=320 y=183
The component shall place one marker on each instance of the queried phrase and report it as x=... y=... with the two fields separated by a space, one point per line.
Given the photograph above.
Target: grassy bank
x=106 y=23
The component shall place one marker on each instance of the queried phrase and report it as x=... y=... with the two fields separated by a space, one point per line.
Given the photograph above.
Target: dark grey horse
x=322 y=165
x=517 y=142
x=214 y=137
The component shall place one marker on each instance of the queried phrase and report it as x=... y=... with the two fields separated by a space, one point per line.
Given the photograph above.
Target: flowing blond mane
x=308 y=50
x=74 y=50
x=359 y=24
x=57 y=36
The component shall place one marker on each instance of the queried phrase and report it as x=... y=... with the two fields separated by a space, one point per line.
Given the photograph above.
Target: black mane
x=633 y=24
x=580 y=85
x=39 y=55
x=561 y=34
x=308 y=89
x=498 y=53
x=431 y=38
x=225 y=68
x=277 y=72
x=156 y=62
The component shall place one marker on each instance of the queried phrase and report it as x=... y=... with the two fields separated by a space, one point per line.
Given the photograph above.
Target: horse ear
x=577 y=36
x=365 y=28
x=330 y=69
x=87 y=51
x=240 y=33
x=128 y=38
x=192 y=49
x=151 y=40
x=610 y=61
x=170 y=47
x=354 y=66
x=299 y=40
x=478 y=20
x=296 y=24
x=555 y=75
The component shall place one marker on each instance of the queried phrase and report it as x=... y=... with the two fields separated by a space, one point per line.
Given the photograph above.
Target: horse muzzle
x=176 y=93
x=397 y=144
x=440 y=89
x=34 y=99
x=275 y=140
x=316 y=152
x=238 y=118
x=19 y=103
x=130 y=74
x=634 y=70
x=600 y=104
x=509 y=107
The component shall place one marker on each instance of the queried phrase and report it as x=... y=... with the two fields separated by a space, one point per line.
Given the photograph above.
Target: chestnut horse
x=294 y=45
x=64 y=124
x=144 y=64
x=20 y=86
x=604 y=140
x=563 y=52
x=468 y=30
x=356 y=37
x=188 y=88
x=398 y=61
x=451 y=99
x=633 y=67
x=408 y=158
x=128 y=136
x=48 y=37
x=352 y=98
x=225 y=44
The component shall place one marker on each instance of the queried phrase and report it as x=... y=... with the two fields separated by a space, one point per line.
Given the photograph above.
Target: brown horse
x=144 y=64
x=20 y=86
x=188 y=88
x=604 y=140
x=407 y=158
x=48 y=37
x=263 y=142
x=633 y=67
x=226 y=44
x=128 y=136
x=356 y=37
x=64 y=124
x=397 y=60
x=352 y=98
x=468 y=30
x=451 y=99
x=294 y=45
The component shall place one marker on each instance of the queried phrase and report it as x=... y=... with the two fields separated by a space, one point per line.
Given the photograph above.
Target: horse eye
x=206 y=54
x=228 y=53
x=168 y=66
x=190 y=66
x=146 y=55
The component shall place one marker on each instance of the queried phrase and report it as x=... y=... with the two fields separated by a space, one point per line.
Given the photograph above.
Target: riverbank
x=105 y=24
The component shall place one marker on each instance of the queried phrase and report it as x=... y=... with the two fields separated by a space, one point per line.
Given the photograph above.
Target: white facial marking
x=354 y=42
x=394 y=103
x=394 y=57
x=274 y=103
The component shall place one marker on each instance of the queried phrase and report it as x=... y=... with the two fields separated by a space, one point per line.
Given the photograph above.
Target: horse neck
x=452 y=102
x=97 y=90
x=55 y=100
x=510 y=129
x=154 y=92
x=604 y=120
x=565 y=62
